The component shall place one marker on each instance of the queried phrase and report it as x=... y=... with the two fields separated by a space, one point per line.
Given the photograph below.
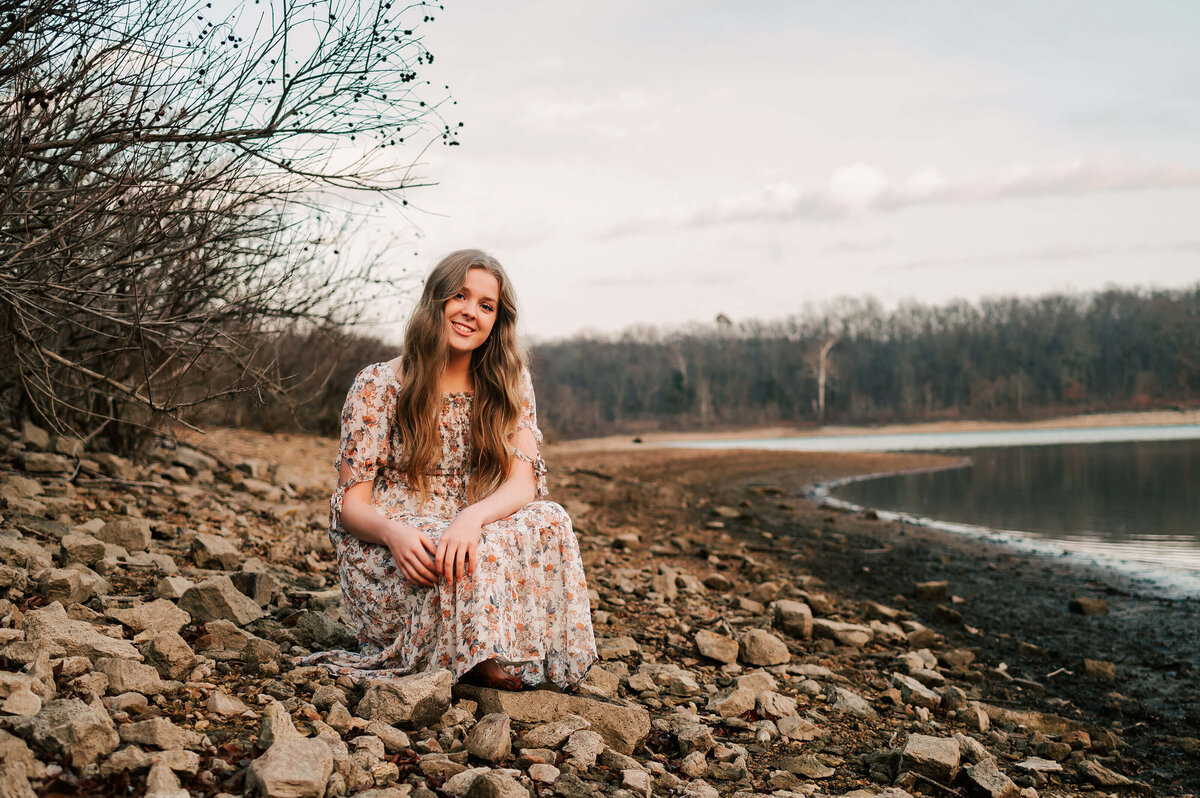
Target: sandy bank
x=1156 y=418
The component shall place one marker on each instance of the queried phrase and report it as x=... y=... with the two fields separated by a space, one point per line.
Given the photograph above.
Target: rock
x=45 y=463
x=14 y=780
x=22 y=702
x=623 y=728
x=339 y=718
x=160 y=733
x=115 y=466
x=694 y=765
x=775 y=705
x=794 y=618
x=160 y=615
x=34 y=436
x=717 y=646
x=699 y=788
x=953 y=698
x=318 y=630
x=1082 y=605
x=65 y=586
x=934 y=757
x=842 y=700
x=694 y=738
x=931 y=591
x=733 y=702
x=71 y=727
x=16 y=486
x=986 y=780
x=600 y=683
x=971 y=750
x=172 y=587
x=80 y=547
x=490 y=738
x=975 y=717
x=846 y=634
x=222 y=703
x=161 y=782
x=636 y=781
x=17 y=551
x=757 y=680
x=796 y=728
x=77 y=638
x=1101 y=776
x=807 y=766
x=543 y=773
x=915 y=693
x=295 y=767
x=193 y=460
x=760 y=647
x=217 y=599
x=169 y=654
x=616 y=647
x=1100 y=669
x=1037 y=764
x=417 y=700
x=258 y=585
x=583 y=747
x=496 y=785
x=277 y=725
x=551 y=735
x=214 y=551
x=125 y=676
x=133 y=534
x=458 y=784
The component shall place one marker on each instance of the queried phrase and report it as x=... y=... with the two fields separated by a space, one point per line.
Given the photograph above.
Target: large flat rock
x=623 y=728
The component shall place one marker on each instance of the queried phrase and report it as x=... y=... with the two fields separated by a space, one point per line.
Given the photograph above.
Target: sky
x=660 y=163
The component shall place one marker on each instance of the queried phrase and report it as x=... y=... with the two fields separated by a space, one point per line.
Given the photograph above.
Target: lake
x=1125 y=496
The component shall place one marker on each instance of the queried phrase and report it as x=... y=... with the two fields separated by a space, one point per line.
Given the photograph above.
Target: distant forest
x=999 y=359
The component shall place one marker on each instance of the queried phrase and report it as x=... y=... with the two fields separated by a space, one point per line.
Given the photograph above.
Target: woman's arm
x=410 y=548
x=456 y=549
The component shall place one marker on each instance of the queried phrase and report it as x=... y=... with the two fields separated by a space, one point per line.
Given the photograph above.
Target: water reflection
x=1134 y=500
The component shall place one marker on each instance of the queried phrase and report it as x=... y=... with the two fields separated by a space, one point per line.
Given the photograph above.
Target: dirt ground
x=1009 y=606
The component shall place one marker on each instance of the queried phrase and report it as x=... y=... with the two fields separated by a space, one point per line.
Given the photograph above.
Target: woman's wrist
x=471 y=515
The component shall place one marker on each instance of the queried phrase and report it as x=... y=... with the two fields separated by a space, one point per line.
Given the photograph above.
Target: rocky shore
x=751 y=643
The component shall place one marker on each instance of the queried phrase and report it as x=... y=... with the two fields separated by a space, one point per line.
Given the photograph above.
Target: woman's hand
x=413 y=553
x=456 y=551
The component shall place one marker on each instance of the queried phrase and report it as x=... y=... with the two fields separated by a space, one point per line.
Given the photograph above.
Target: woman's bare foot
x=489 y=674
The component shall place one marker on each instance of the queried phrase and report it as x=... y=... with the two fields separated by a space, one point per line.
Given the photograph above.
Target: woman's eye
x=459 y=295
x=486 y=307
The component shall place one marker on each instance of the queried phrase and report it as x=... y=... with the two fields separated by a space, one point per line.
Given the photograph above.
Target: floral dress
x=525 y=603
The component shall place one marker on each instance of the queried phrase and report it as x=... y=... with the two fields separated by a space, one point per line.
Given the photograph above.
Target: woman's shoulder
x=384 y=373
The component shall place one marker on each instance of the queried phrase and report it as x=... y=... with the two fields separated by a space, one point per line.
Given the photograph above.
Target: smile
x=461 y=328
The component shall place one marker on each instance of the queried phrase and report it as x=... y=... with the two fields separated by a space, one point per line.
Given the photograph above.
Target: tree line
x=1007 y=358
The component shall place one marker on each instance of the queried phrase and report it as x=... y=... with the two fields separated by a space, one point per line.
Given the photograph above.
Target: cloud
x=1061 y=252
x=860 y=188
x=549 y=111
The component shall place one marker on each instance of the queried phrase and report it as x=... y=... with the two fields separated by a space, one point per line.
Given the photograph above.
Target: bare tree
x=173 y=186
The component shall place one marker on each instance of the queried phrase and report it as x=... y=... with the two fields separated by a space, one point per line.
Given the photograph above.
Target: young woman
x=449 y=554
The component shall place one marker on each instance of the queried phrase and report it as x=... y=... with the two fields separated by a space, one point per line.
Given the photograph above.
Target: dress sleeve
x=528 y=420
x=366 y=422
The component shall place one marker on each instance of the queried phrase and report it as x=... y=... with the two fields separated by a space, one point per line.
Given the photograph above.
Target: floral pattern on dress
x=526 y=601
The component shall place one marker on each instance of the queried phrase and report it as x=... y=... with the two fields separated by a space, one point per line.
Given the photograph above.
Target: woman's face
x=471 y=312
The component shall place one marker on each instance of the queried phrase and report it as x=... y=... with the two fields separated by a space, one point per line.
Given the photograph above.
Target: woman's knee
x=553 y=512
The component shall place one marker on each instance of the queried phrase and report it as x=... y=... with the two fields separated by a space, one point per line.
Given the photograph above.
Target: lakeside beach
x=751 y=641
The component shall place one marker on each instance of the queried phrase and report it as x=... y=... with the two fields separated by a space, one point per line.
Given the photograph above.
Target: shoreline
x=1148 y=418
x=1010 y=606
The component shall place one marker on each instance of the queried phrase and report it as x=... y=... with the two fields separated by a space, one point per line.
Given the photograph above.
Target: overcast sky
x=663 y=162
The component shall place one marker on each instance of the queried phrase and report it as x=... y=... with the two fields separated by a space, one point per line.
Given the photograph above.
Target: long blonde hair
x=495 y=378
